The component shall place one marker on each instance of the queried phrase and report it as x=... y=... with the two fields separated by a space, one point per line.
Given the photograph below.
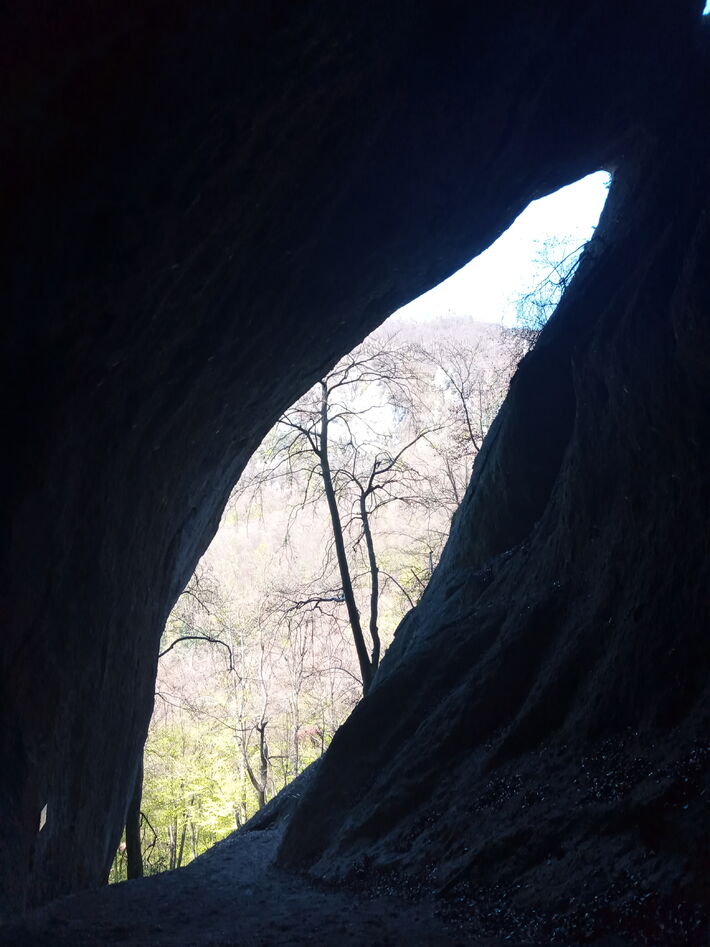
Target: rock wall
x=538 y=730
x=205 y=208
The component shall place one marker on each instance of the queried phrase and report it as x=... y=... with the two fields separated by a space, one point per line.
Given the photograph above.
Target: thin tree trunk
x=259 y=783
x=263 y=763
x=452 y=481
x=172 y=844
x=134 y=855
x=243 y=784
x=348 y=593
x=374 y=582
x=182 y=841
x=296 y=731
x=240 y=813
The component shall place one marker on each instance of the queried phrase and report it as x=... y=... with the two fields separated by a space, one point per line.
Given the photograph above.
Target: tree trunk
x=296 y=734
x=374 y=583
x=263 y=764
x=172 y=844
x=243 y=784
x=240 y=812
x=348 y=593
x=182 y=842
x=133 y=829
x=259 y=783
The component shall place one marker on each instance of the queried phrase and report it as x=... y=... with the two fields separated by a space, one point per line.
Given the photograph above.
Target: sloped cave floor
x=231 y=895
x=628 y=888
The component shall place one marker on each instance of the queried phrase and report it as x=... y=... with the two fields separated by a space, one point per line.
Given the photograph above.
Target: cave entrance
x=333 y=532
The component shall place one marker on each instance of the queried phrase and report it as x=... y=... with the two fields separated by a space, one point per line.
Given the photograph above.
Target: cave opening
x=205 y=211
x=258 y=665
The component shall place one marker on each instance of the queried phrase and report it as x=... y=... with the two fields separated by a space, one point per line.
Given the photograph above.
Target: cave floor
x=234 y=895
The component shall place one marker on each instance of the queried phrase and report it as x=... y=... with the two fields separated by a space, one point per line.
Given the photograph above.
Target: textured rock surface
x=205 y=207
x=540 y=724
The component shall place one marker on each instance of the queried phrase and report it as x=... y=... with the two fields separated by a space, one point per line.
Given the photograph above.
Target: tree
x=328 y=448
x=259 y=777
x=469 y=381
x=557 y=260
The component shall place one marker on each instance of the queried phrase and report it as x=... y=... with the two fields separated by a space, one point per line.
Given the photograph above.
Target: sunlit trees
x=347 y=443
x=338 y=523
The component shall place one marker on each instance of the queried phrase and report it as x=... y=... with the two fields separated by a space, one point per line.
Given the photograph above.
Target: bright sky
x=487 y=288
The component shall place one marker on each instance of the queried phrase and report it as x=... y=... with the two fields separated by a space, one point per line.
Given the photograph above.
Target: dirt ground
x=233 y=895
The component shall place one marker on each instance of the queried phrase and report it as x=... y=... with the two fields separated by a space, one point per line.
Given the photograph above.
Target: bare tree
x=328 y=447
x=471 y=379
x=197 y=616
x=558 y=260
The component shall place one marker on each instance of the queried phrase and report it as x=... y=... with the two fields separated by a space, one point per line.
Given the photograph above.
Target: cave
x=205 y=208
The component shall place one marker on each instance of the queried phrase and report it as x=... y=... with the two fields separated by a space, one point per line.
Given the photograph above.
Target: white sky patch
x=488 y=287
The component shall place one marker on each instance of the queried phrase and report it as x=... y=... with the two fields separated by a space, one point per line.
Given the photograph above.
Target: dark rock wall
x=541 y=720
x=205 y=207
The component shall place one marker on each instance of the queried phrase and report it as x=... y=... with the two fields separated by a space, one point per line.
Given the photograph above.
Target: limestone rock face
x=205 y=208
